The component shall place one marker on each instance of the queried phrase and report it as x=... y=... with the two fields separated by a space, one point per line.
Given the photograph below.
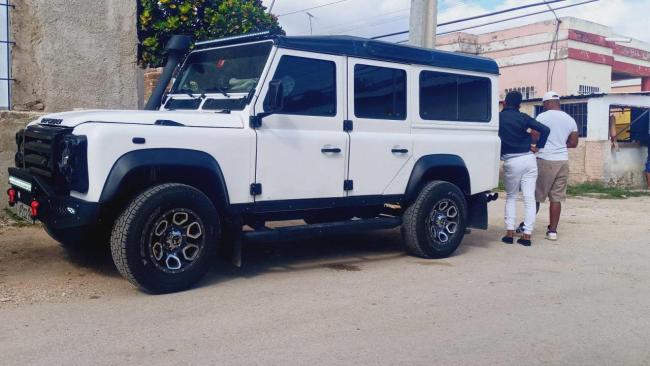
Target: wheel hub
x=443 y=221
x=173 y=239
x=176 y=240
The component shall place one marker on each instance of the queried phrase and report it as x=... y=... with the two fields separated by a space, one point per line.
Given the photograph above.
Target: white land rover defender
x=344 y=133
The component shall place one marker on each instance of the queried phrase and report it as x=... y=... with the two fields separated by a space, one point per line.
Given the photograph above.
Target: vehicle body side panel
x=233 y=149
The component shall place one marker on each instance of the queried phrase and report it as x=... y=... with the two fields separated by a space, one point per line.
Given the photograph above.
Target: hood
x=187 y=118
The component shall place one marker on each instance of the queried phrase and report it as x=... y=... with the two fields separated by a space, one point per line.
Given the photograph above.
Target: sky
x=367 y=18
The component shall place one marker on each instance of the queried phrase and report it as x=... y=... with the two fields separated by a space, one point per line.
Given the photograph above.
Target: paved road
x=359 y=300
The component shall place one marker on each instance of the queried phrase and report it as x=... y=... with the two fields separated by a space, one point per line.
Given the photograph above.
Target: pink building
x=587 y=58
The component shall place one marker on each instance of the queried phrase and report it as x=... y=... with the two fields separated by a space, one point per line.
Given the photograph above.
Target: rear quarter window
x=455 y=97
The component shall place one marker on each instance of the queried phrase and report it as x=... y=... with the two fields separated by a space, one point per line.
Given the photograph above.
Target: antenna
x=310 y=15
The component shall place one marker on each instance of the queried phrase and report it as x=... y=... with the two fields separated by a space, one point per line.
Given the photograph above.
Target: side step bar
x=302 y=232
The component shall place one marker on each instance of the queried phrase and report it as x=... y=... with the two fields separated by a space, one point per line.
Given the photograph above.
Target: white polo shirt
x=561 y=125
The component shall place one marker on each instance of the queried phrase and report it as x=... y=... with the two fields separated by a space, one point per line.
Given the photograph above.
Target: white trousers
x=520 y=175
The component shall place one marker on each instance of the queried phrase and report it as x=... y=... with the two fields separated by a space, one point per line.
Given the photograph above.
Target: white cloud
x=369 y=18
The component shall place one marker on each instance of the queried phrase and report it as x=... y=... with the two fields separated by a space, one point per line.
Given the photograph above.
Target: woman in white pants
x=520 y=165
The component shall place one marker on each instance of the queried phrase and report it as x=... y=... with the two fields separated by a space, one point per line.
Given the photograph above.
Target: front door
x=380 y=142
x=302 y=150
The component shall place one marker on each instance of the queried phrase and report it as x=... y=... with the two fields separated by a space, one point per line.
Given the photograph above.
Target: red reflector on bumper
x=12 y=196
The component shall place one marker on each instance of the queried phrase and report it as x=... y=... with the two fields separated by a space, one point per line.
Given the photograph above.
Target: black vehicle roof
x=369 y=49
x=385 y=51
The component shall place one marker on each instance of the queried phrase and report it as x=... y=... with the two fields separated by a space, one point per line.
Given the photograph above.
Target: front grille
x=40 y=148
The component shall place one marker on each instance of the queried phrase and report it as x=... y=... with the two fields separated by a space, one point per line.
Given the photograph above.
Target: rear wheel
x=165 y=239
x=434 y=225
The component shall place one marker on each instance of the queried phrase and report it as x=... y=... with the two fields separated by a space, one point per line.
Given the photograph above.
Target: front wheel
x=165 y=239
x=434 y=225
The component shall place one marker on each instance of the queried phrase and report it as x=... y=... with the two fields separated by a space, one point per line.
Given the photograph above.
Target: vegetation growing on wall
x=201 y=19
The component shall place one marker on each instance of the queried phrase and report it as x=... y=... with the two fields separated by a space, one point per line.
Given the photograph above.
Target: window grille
x=576 y=110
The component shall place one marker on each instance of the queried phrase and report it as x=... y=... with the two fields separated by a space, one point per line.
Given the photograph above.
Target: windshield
x=232 y=69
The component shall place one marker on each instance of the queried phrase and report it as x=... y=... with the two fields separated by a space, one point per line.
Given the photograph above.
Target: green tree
x=201 y=19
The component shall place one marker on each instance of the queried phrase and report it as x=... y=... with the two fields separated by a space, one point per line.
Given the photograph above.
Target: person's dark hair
x=513 y=99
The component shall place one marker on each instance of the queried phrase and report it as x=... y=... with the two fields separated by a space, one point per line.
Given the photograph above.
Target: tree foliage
x=202 y=19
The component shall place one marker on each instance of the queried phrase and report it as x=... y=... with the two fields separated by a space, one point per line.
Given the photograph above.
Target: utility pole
x=423 y=22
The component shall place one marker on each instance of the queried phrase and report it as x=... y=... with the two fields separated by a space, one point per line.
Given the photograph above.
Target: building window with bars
x=587 y=90
x=528 y=92
x=576 y=110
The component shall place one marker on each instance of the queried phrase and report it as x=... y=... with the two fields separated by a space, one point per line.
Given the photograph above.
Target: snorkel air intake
x=176 y=48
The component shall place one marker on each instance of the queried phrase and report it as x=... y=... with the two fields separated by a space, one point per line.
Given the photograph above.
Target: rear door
x=380 y=142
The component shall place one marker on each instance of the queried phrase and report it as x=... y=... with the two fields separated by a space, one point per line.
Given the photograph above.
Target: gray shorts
x=552 y=180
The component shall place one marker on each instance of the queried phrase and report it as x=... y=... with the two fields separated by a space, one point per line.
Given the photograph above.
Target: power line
x=549 y=75
x=373 y=23
x=508 y=19
x=477 y=16
x=358 y=23
x=312 y=8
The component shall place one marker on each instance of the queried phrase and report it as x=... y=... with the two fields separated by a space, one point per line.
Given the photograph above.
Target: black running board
x=302 y=232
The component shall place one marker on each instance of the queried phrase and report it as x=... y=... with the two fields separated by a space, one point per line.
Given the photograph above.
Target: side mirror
x=273 y=103
x=275 y=98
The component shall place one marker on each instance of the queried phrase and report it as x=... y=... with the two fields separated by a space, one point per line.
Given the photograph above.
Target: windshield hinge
x=255 y=121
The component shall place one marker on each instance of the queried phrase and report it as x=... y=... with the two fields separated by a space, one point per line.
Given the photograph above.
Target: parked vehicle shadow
x=344 y=253
x=341 y=253
x=95 y=257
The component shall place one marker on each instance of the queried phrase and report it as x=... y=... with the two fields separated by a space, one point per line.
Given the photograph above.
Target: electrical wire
x=477 y=16
x=507 y=19
x=554 y=42
x=364 y=20
x=371 y=24
x=312 y=8
x=367 y=22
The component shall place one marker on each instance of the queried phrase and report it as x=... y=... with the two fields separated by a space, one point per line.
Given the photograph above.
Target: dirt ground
x=348 y=300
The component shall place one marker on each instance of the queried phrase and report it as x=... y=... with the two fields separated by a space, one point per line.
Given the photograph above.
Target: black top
x=366 y=48
x=385 y=51
x=513 y=131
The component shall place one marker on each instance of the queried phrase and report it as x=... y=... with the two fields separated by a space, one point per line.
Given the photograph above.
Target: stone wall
x=75 y=54
x=151 y=77
x=10 y=123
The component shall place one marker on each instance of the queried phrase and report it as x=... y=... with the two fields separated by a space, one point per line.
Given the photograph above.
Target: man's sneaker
x=551 y=235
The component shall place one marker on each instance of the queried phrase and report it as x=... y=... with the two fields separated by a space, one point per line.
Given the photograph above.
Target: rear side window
x=309 y=86
x=452 y=97
x=379 y=92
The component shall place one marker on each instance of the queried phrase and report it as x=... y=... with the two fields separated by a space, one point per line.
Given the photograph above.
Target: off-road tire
x=130 y=239
x=418 y=239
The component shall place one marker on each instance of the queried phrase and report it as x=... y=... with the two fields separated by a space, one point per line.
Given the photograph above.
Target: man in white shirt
x=553 y=159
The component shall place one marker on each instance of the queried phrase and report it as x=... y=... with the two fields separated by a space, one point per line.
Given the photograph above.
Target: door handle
x=334 y=150
x=400 y=151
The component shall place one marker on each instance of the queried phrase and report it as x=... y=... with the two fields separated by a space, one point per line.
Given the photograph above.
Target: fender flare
x=429 y=164
x=165 y=158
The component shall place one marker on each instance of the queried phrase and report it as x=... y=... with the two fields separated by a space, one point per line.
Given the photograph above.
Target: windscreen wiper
x=190 y=94
x=220 y=90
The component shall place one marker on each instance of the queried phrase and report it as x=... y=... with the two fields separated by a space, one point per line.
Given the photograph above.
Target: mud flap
x=477 y=210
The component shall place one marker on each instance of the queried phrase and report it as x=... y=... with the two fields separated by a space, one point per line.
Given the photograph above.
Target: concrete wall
x=75 y=54
x=10 y=123
x=587 y=73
